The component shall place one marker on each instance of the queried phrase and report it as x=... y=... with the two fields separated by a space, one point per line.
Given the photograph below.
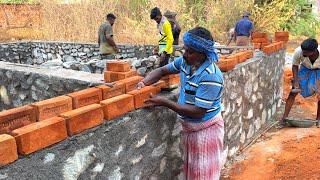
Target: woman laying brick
x=199 y=104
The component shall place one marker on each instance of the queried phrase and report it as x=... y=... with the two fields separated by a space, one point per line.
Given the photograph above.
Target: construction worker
x=166 y=37
x=199 y=104
x=306 y=75
x=243 y=30
x=176 y=29
x=107 y=46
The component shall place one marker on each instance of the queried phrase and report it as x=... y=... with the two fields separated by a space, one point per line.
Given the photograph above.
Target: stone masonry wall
x=38 y=52
x=145 y=144
x=252 y=95
x=24 y=84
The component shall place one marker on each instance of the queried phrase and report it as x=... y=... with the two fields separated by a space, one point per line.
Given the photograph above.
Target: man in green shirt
x=107 y=46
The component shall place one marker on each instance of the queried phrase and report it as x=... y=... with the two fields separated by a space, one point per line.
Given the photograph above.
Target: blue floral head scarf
x=201 y=45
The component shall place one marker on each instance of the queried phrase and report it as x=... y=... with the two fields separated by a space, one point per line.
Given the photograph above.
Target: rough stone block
x=110 y=76
x=52 y=107
x=141 y=95
x=15 y=118
x=118 y=66
x=117 y=106
x=39 y=135
x=8 y=149
x=85 y=97
x=83 y=118
x=109 y=92
x=131 y=82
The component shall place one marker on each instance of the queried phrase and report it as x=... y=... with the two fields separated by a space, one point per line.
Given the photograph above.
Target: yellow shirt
x=298 y=59
x=166 y=37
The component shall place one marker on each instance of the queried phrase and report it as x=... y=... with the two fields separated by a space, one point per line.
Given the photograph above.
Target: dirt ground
x=289 y=153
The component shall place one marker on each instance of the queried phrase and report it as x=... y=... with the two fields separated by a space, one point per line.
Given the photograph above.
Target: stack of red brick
x=227 y=63
x=260 y=39
x=30 y=128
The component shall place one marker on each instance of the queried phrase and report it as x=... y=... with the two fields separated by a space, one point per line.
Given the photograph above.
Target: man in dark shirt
x=243 y=30
x=176 y=29
x=107 y=46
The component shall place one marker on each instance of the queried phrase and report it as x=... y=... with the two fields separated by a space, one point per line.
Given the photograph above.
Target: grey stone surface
x=252 y=90
x=25 y=84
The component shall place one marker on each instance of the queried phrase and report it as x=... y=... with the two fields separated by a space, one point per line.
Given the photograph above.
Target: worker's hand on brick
x=140 y=85
x=155 y=100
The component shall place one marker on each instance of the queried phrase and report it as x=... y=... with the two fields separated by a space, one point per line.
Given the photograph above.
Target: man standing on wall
x=243 y=30
x=166 y=37
x=306 y=75
x=107 y=46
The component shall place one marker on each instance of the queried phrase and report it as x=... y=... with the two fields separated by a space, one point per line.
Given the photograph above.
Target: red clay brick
x=118 y=66
x=39 y=135
x=15 y=118
x=110 y=76
x=264 y=44
x=260 y=40
x=141 y=95
x=171 y=80
x=85 y=97
x=248 y=54
x=159 y=85
x=268 y=49
x=227 y=64
x=109 y=92
x=256 y=45
x=131 y=82
x=52 y=107
x=8 y=149
x=242 y=57
x=117 y=106
x=255 y=35
x=281 y=34
x=83 y=118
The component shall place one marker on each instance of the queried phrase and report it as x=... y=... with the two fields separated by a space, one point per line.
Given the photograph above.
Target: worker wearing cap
x=243 y=30
x=166 y=37
x=176 y=29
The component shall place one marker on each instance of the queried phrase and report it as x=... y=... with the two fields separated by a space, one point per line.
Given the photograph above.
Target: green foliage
x=303 y=22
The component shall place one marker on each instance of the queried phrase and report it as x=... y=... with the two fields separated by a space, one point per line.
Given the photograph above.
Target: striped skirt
x=203 y=147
